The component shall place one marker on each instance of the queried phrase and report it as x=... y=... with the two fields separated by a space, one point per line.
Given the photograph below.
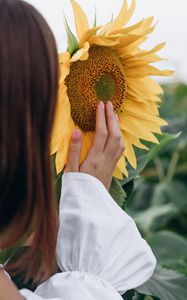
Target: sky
x=171 y=27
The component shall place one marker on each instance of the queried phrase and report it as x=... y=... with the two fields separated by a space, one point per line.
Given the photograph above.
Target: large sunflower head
x=106 y=63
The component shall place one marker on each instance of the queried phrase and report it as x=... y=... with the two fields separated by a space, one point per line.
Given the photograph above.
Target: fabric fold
x=99 y=250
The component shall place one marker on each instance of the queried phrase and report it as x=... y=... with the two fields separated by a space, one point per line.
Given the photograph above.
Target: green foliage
x=73 y=44
x=165 y=284
x=170 y=250
x=117 y=192
x=158 y=202
x=145 y=157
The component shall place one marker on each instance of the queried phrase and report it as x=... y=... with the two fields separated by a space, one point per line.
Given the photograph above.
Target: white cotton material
x=99 y=249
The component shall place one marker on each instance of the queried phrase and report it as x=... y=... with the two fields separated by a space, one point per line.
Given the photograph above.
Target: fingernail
x=76 y=135
x=101 y=104
x=110 y=105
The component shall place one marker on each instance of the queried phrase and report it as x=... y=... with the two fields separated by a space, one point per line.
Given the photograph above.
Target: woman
x=99 y=249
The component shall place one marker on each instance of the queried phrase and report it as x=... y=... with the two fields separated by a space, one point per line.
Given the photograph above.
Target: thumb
x=74 y=152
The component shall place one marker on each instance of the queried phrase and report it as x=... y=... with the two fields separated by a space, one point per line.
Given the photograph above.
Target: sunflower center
x=100 y=78
x=105 y=87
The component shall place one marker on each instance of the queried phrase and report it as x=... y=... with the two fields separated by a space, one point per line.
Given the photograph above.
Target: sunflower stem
x=159 y=168
x=172 y=166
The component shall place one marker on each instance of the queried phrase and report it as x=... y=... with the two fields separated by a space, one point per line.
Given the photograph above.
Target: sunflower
x=106 y=63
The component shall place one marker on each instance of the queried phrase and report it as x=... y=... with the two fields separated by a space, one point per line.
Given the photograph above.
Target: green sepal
x=73 y=44
x=117 y=192
x=95 y=19
x=112 y=18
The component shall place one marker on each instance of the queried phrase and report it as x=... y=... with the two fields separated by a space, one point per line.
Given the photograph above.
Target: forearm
x=8 y=290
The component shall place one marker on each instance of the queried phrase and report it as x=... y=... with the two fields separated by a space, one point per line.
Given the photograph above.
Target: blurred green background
x=157 y=200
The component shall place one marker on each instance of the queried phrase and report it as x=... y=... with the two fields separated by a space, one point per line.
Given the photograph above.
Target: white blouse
x=99 y=250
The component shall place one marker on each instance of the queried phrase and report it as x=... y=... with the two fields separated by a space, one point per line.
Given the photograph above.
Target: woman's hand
x=106 y=150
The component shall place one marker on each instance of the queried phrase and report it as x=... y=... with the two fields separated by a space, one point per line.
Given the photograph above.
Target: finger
x=74 y=152
x=101 y=129
x=114 y=143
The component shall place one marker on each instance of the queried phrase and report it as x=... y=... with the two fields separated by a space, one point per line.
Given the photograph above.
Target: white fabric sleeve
x=99 y=249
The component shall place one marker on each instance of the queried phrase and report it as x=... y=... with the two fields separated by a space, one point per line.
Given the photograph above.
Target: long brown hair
x=28 y=92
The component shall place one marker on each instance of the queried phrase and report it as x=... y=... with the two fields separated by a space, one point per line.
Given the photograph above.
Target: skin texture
x=100 y=163
x=106 y=150
x=8 y=290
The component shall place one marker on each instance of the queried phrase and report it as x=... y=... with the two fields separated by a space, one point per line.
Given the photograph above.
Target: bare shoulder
x=7 y=289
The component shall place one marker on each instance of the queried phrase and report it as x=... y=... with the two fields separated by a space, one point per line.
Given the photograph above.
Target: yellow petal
x=63 y=57
x=138 y=144
x=131 y=49
x=119 y=21
x=87 y=142
x=146 y=70
x=117 y=173
x=152 y=51
x=105 y=41
x=145 y=28
x=138 y=128
x=139 y=109
x=81 y=20
x=62 y=153
x=129 y=150
x=61 y=157
x=81 y=54
x=88 y=34
x=150 y=106
x=123 y=17
x=121 y=164
x=130 y=12
x=104 y=29
x=131 y=29
x=142 y=60
x=142 y=97
x=145 y=108
x=59 y=133
x=152 y=120
x=127 y=40
x=64 y=66
x=61 y=123
x=144 y=86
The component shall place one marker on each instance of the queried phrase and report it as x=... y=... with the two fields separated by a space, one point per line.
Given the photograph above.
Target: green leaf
x=143 y=157
x=95 y=19
x=73 y=44
x=166 y=285
x=170 y=250
x=143 y=297
x=128 y=295
x=168 y=192
x=164 y=140
x=181 y=91
x=142 y=194
x=117 y=192
x=156 y=217
x=129 y=188
x=57 y=178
